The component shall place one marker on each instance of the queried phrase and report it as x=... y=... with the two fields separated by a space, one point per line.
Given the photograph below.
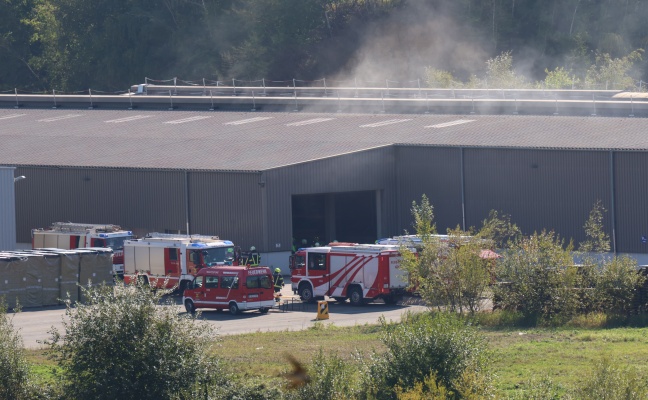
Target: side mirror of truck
x=291 y=262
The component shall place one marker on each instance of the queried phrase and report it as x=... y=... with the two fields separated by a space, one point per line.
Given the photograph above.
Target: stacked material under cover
x=44 y=277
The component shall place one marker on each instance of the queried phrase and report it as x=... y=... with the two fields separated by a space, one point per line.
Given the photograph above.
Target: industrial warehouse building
x=276 y=172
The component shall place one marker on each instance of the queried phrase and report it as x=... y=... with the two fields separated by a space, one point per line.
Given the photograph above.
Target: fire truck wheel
x=355 y=296
x=391 y=300
x=190 y=306
x=234 y=309
x=264 y=310
x=306 y=293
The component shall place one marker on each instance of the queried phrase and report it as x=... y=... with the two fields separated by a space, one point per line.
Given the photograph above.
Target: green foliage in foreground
x=122 y=344
x=14 y=369
x=526 y=363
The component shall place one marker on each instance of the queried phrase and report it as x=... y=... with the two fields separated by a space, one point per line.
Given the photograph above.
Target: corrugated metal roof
x=256 y=141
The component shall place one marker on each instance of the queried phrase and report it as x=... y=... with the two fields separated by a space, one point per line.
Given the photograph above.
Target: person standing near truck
x=278 y=280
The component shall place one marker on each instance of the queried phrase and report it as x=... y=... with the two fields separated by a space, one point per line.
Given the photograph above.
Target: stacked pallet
x=46 y=277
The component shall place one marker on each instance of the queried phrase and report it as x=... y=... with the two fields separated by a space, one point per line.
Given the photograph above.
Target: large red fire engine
x=359 y=272
x=166 y=260
x=69 y=235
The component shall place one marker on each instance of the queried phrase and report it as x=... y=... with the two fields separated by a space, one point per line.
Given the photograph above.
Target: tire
x=391 y=300
x=190 y=306
x=355 y=296
x=306 y=293
x=234 y=309
x=264 y=310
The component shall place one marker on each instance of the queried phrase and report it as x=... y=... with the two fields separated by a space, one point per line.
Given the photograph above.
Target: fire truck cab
x=69 y=235
x=170 y=260
x=359 y=272
x=235 y=288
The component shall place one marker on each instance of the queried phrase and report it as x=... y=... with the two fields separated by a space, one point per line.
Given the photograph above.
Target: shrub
x=122 y=344
x=441 y=345
x=612 y=382
x=437 y=78
x=14 y=369
x=617 y=285
x=540 y=280
x=331 y=378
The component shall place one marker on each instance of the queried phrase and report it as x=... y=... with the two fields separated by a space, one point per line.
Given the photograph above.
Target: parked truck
x=235 y=288
x=172 y=260
x=70 y=235
x=358 y=272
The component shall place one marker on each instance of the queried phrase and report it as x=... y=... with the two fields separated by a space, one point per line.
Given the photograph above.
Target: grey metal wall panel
x=553 y=190
x=7 y=209
x=221 y=203
x=435 y=172
x=227 y=205
x=368 y=170
x=631 y=189
x=140 y=200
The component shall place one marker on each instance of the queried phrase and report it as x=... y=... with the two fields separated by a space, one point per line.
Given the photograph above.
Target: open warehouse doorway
x=345 y=217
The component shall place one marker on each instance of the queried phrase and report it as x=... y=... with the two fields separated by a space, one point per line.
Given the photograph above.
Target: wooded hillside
x=73 y=45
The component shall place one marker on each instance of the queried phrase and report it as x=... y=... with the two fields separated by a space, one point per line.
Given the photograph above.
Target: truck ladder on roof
x=76 y=227
x=158 y=235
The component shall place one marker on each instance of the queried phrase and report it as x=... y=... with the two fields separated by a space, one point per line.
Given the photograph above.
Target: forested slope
x=73 y=45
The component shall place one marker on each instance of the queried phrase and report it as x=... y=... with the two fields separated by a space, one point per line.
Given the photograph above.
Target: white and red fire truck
x=359 y=272
x=69 y=235
x=169 y=260
x=236 y=288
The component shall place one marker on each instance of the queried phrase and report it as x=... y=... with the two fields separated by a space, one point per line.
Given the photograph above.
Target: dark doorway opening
x=345 y=217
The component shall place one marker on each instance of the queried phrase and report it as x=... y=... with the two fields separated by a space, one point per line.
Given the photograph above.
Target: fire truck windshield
x=218 y=256
x=115 y=243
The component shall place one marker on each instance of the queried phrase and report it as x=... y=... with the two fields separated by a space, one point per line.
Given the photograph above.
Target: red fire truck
x=169 y=260
x=236 y=289
x=359 y=272
x=69 y=235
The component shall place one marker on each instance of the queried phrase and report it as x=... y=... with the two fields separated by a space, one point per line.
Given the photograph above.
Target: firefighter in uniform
x=255 y=257
x=278 y=280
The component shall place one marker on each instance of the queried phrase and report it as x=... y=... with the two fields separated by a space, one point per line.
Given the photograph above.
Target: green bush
x=442 y=345
x=14 y=369
x=617 y=285
x=331 y=378
x=540 y=280
x=122 y=344
x=610 y=381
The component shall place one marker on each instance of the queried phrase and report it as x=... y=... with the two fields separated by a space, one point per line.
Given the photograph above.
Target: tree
x=437 y=78
x=448 y=273
x=612 y=73
x=123 y=345
x=540 y=277
x=597 y=239
x=499 y=230
x=500 y=74
x=559 y=78
x=16 y=70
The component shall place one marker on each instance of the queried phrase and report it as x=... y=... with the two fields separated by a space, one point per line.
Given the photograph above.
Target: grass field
x=566 y=356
